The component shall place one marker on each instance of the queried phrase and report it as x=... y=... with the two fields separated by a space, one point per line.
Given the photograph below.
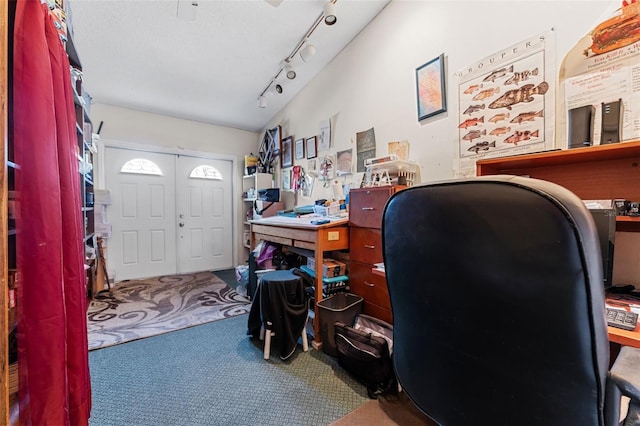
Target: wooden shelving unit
x=4 y=230
x=593 y=173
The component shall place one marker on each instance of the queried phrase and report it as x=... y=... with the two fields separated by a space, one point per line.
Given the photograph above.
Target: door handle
x=181 y=224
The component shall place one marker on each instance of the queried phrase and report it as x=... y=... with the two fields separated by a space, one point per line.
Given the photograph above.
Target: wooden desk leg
x=317 y=340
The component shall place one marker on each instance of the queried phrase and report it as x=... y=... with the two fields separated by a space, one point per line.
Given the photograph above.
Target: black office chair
x=498 y=306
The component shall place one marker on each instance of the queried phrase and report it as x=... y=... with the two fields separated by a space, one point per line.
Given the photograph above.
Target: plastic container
x=341 y=307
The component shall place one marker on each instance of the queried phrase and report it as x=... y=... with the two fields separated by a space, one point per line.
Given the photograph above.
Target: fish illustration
x=474 y=134
x=499 y=117
x=519 y=136
x=473 y=88
x=523 y=94
x=517 y=77
x=486 y=94
x=498 y=74
x=499 y=131
x=482 y=146
x=473 y=108
x=471 y=122
x=526 y=116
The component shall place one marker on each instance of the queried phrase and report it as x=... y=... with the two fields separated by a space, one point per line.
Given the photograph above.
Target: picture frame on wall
x=430 y=88
x=286 y=152
x=300 y=149
x=312 y=147
x=286 y=179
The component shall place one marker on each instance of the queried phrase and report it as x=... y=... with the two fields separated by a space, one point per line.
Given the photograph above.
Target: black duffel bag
x=364 y=350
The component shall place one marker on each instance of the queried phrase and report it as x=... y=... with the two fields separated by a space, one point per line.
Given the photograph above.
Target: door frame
x=99 y=175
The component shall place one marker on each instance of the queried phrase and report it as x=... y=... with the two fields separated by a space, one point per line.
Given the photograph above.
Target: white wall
x=137 y=127
x=372 y=82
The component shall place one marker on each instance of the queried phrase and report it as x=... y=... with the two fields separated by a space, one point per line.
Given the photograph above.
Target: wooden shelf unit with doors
x=250 y=186
x=366 y=206
x=86 y=151
x=599 y=172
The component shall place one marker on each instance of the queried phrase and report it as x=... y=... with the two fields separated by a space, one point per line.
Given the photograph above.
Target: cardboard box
x=330 y=267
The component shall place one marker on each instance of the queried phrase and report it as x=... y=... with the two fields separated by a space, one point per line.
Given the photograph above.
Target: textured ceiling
x=139 y=54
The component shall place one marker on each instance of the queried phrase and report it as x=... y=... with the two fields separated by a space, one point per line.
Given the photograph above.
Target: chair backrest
x=498 y=302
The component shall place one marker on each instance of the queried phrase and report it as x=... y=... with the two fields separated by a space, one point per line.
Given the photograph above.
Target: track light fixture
x=307 y=51
x=330 y=13
x=289 y=71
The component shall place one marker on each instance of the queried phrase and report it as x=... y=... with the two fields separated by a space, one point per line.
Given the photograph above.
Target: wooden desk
x=616 y=335
x=299 y=233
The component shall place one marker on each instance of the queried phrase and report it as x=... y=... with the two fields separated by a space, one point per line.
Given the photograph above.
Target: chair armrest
x=625 y=372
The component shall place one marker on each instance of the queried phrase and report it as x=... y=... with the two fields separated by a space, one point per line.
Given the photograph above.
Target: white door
x=141 y=214
x=204 y=208
x=169 y=214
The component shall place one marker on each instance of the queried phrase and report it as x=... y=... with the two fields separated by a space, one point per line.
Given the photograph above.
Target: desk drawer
x=378 y=312
x=365 y=245
x=366 y=206
x=371 y=287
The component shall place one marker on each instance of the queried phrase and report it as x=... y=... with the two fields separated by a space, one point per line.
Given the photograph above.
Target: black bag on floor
x=364 y=350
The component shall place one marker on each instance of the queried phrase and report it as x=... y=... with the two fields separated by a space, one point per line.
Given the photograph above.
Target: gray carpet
x=213 y=374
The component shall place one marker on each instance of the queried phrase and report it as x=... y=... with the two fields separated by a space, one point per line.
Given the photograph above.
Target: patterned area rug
x=143 y=308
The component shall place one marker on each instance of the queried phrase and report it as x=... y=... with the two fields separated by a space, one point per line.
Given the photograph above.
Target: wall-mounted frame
x=312 y=147
x=430 y=88
x=300 y=149
x=286 y=152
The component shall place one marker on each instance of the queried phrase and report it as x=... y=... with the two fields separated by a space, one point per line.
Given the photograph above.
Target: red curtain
x=52 y=301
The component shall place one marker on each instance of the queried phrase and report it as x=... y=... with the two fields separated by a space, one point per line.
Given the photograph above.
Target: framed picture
x=299 y=149
x=286 y=179
x=312 y=148
x=430 y=88
x=286 y=152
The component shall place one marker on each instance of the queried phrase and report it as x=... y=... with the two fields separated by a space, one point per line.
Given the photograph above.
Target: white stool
x=267 y=340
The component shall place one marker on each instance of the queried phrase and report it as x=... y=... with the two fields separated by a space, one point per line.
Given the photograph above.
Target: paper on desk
x=304 y=220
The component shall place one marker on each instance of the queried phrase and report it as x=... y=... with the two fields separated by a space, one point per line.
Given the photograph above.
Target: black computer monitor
x=605 y=220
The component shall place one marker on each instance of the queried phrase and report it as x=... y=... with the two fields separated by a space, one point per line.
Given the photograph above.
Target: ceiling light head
x=307 y=53
x=262 y=101
x=330 y=17
x=276 y=89
x=289 y=71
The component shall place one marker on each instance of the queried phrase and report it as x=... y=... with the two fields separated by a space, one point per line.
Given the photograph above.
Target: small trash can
x=341 y=307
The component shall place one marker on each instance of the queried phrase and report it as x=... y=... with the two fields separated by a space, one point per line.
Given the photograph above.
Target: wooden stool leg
x=267 y=341
x=305 y=342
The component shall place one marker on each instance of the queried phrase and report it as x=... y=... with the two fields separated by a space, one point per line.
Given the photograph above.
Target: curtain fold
x=52 y=340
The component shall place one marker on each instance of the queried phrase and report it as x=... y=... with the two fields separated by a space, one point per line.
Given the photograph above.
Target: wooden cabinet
x=366 y=207
x=593 y=173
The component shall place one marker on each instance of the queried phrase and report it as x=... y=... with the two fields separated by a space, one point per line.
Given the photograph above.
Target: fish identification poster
x=506 y=104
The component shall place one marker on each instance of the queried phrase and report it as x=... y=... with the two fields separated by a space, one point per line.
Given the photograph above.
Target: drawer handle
x=368 y=208
x=369 y=246
x=367 y=283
